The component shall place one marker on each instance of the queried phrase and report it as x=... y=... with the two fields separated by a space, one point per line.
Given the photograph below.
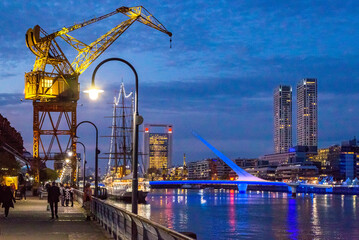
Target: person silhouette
x=7 y=199
x=53 y=199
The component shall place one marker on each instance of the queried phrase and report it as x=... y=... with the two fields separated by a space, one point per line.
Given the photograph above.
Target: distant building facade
x=327 y=161
x=158 y=146
x=212 y=169
x=297 y=154
x=349 y=159
x=293 y=172
x=307 y=113
x=282 y=119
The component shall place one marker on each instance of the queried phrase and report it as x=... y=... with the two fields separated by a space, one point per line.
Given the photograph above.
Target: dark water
x=227 y=214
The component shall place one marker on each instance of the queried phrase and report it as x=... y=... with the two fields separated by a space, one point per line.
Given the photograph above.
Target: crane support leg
x=54 y=120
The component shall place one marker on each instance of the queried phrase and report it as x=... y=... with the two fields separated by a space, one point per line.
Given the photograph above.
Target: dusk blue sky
x=217 y=79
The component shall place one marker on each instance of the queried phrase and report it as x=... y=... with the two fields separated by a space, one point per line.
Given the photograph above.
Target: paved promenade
x=30 y=220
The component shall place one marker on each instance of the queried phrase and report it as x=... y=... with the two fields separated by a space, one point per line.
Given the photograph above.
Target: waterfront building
x=158 y=146
x=327 y=161
x=297 y=154
x=277 y=159
x=212 y=169
x=307 y=113
x=349 y=159
x=264 y=172
x=177 y=173
x=200 y=169
x=293 y=172
x=282 y=119
x=246 y=162
x=257 y=167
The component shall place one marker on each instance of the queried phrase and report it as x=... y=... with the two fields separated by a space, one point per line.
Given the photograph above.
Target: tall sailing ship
x=118 y=179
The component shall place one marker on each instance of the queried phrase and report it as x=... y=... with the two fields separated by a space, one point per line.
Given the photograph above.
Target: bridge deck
x=30 y=220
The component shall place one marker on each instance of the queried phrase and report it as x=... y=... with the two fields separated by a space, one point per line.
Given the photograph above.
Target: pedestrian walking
x=72 y=196
x=67 y=195
x=23 y=192
x=7 y=199
x=47 y=186
x=53 y=199
x=13 y=189
x=2 y=184
x=62 y=192
x=87 y=200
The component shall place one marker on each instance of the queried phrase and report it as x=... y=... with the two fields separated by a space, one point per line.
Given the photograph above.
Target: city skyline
x=215 y=80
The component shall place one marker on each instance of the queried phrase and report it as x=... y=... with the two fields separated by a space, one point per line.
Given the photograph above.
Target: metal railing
x=122 y=224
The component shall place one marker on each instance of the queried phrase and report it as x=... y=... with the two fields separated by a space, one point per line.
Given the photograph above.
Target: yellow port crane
x=53 y=84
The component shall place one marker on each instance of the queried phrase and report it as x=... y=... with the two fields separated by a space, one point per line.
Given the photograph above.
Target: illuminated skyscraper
x=307 y=113
x=282 y=119
x=158 y=146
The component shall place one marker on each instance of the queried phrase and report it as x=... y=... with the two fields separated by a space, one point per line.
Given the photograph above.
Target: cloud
x=218 y=78
x=11 y=99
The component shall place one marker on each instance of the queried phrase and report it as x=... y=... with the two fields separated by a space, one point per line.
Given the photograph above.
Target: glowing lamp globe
x=93 y=93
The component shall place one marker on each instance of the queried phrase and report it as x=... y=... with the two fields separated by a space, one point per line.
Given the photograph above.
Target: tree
x=48 y=174
x=8 y=164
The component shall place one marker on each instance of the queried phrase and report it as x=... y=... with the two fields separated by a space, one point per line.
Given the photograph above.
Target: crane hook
x=170 y=42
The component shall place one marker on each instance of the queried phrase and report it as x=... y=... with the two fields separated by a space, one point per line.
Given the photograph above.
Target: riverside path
x=31 y=220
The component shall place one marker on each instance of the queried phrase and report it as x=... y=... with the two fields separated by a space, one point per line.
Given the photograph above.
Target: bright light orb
x=67 y=160
x=93 y=93
x=69 y=153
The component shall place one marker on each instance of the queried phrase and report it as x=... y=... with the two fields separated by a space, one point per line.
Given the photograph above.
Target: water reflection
x=227 y=214
x=232 y=212
x=316 y=229
x=292 y=221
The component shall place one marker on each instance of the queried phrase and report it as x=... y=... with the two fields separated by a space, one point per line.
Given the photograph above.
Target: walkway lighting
x=97 y=152
x=93 y=92
x=137 y=120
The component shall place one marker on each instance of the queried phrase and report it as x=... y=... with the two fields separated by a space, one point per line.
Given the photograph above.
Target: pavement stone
x=30 y=220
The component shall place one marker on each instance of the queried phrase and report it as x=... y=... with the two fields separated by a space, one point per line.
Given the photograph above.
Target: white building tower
x=307 y=113
x=282 y=119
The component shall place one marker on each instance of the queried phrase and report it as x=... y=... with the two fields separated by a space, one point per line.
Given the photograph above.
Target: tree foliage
x=48 y=174
x=8 y=164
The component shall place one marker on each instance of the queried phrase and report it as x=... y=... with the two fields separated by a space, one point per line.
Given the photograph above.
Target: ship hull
x=126 y=196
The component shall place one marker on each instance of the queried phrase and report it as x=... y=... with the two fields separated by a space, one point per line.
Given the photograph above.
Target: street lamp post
x=96 y=155
x=83 y=165
x=137 y=120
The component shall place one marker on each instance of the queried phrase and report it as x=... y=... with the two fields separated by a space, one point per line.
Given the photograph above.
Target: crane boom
x=41 y=46
x=66 y=30
x=89 y=53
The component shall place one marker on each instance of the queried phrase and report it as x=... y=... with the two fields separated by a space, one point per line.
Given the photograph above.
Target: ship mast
x=120 y=143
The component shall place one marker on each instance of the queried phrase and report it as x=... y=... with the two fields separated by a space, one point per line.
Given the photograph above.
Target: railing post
x=133 y=230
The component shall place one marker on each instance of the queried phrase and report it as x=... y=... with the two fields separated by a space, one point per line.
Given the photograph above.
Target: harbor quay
x=30 y=220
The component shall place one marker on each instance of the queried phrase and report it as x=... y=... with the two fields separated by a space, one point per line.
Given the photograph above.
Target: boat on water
x=118 y=179
x=121 y=189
